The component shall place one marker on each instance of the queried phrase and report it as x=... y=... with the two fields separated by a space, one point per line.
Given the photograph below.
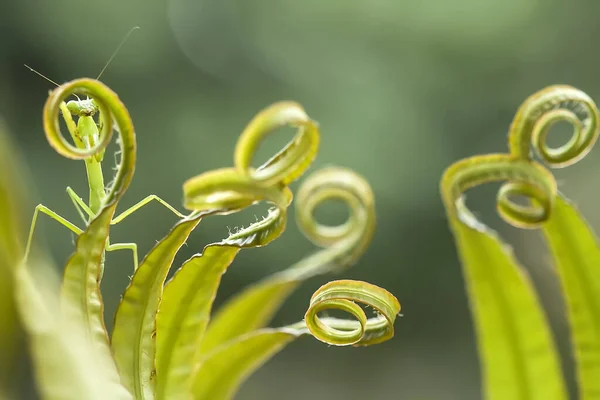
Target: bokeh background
x=401 y=89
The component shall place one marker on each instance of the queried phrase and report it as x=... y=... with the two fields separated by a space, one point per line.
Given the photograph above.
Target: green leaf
x=516 y=348
x=256 y=305
x=80 y=291
x=13 y=196
x=576 y=254
x=187 y=302
x=228 y=366
x=66 y=365
x=12 y=199
x=185 y=312
x=515 y=342
x=189 y=295
x=133 y=335
x=183 y=315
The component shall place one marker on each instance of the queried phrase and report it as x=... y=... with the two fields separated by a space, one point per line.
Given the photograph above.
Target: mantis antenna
x=40 y=74
x=46 y=78
x=117 y=50
x=105 y=65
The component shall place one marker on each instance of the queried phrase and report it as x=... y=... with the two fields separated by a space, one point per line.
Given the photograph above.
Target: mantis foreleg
x=80 y=205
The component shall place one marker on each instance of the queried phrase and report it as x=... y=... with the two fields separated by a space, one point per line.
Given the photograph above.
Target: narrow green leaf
x=187 y=302
x=183 y=315
x=12 y=199
x=516 y=347
x=80 y=291
x=576 y=254
x=229 y=365
x=188 y=297
x=255 y=306
x=133 y=335
x=66 y=365
x=515 y=342
x=13 y=196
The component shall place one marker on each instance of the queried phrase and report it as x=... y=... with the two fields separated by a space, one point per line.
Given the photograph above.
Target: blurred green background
x=401 y=89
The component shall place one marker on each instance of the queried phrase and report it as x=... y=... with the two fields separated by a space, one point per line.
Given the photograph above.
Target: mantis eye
x=74 y=107
x=82 y=108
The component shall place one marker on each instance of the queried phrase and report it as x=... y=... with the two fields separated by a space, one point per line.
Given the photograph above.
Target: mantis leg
x=54 y=216
x=126 y=246
x=80 y=205
x=142 y=203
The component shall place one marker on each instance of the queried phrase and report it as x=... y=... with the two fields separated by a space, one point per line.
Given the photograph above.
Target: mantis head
x=82 y=108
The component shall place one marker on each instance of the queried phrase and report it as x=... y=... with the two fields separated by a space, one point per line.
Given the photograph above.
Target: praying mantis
x=86 y=135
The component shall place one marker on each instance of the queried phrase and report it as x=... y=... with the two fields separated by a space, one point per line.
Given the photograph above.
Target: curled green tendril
x=289 y=163
x=524 y=176
x=230 y=190
x=344 y=244
x=111 y=110
x=348 y=241
x=543 y=109
x=344 y=295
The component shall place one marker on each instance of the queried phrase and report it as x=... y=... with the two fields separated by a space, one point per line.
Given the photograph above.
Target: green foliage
x=12 y=200
x=576 y=254
x=223 y=369
x=158 y=348
x=133 y=337
x=515 y=344
x=166 y=343
x=516 y=347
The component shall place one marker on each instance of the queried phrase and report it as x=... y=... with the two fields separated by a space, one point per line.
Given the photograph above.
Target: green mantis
x=90 y=138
